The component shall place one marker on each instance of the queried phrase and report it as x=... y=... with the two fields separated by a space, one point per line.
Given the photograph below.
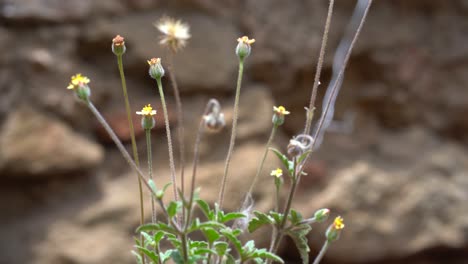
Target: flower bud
x=118 y=45
x=156 y=70
x=243 y=47
x=278 y=115
x=147 y=119
x=79 y=84
x=334 y=230
x=321 y=215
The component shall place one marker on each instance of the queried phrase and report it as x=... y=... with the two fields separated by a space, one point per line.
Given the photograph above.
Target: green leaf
x=233 y=239
x=295 y=217
x=173 y=208
x=283 y=158
x=158 y=236
x=148 y=238
x=138 y=257
x=277 y=217
x=150 y=254
x=231 y=216
x=211 y=234
x=259 y=220
x=248 y=249
x=166 y=255
x=230 y=259
x=221 y=247
x=303 y=156
x=196 y=225
x=177 y=257
x=205 y=209
x=202 y=251
x=264 y=254
x=160 y=193
x=152 y=185
x=299 y=236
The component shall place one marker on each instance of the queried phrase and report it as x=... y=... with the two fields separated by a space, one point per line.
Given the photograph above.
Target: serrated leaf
x=150 y=254
x=231 y=216
x=300 y=240
x=295 y=217
x=264 y=254
x=211 y=234
x=248 y=249
x=277 y=217
x=233 y=239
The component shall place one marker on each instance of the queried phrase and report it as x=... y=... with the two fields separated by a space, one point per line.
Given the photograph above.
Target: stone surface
x=34 y=144
x=410 y=201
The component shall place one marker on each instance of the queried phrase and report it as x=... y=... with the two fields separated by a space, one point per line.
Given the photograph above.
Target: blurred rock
x=35 y=145
x=401 y=207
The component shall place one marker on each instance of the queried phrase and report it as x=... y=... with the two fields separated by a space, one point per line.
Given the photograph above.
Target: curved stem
x=169 y=140
x=150 y=170
x=322 y=252
x=323 y=46
x=233 y=134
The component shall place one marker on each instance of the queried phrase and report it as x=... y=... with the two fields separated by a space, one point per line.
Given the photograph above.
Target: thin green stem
x=265 y=154
x=169 y=139
x=277 y=240
x=132 y=138
x=150 y=170
x=322 y=252
x=180 y=121
x=323 y=46
x=233 y=134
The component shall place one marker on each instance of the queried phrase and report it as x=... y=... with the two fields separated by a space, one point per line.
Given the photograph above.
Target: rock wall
x=398 y=177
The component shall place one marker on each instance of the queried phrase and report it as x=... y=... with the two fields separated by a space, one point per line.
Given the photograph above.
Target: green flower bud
x=147 y=119
x=334 y=230
x=156 y=70
x=243 y=47
x=79 y=84
x=118 y=45
x=321 y=215
x=278 y=115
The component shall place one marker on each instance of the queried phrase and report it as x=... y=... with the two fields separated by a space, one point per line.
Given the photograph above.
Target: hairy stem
x=233 y=134
x=169 y=139
x=132 y=138
x=180 y=120
x=150 y=170
x=323 y=46
x=322 y=252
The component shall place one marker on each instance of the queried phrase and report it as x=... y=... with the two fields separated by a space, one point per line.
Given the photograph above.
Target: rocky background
x=399 y=177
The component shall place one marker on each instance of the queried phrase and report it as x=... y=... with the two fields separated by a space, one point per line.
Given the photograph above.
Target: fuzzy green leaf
x=138 y=257
x=211 y=234
x=231 y=216
x=295 y=217
x=173 y=208
x=221 y=247
x=277 y=217
x=299 y=236
x=177 y=257
x=156 y=227
x=150 y=254
x=264 y=254
x=303 y=156
x=283 y=158
x=233 y=239
x=205 y=207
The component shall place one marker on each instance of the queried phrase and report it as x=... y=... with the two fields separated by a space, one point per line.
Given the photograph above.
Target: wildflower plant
x=177 y=234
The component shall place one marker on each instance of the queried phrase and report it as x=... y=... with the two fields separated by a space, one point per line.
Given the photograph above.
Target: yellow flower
x=118 y=41
x=175 y=33
x=77 y=80
x=147 y=111
x=280 y=110
x=246 y=40
x=154 y=61
x=338 y=223
x=277 y=173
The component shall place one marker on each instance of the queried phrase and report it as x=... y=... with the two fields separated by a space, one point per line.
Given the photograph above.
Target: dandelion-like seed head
x=175 y=33
x=338 y=223
x=77 y=80
x=147 y=111
x=277 y=173
x=280 y=110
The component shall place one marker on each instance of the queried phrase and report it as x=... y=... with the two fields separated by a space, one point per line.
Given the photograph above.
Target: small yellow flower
x=338 y=223
x=277 y=173
x=175 y=33
x=154 y=61
x=77 y=80
x=147 y=111
x=246 y=40
x=280 y=110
